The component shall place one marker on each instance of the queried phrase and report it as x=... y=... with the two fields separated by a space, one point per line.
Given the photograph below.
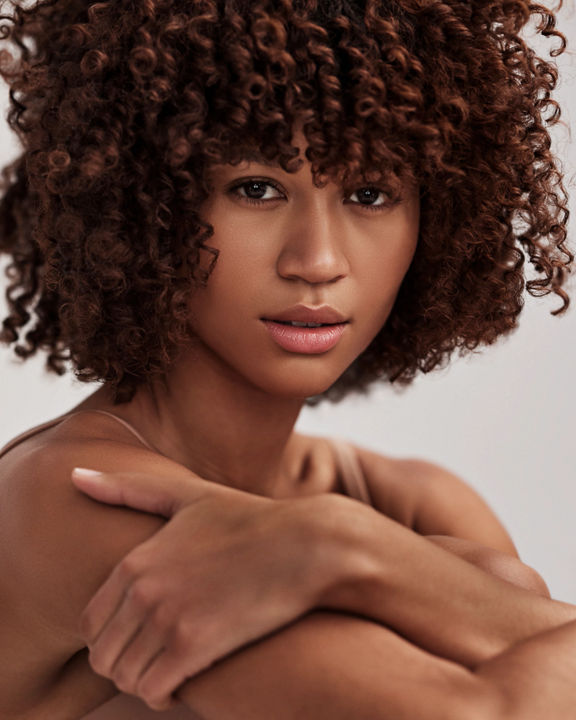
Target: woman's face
x=284 y=242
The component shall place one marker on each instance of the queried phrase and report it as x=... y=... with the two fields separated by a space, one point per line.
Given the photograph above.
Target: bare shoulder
x=431 y=499
x=57 y=545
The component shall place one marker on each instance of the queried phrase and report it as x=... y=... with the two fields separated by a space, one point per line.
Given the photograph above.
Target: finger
x=142 y=491
x=137 y=657
x=115 y=637
x=162 y=678
x=103 y=604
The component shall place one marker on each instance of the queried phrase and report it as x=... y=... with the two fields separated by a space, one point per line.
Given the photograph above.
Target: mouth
x=294 y=323
x=307 y=316
x=305 y=338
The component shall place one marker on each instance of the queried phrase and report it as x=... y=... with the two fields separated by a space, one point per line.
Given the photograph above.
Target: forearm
x=535 y=678
x=331 y=665
x=386 y=572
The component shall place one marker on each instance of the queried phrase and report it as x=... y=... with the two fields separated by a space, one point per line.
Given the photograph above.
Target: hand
x=229 y=568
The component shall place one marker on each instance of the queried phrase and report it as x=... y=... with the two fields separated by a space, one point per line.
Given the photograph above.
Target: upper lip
x=303 y=313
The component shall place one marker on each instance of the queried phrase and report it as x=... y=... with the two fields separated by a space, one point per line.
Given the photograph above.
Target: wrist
x=339 y=564
x=381 y=570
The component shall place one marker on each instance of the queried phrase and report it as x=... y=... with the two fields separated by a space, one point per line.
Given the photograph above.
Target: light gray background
x=502 y=419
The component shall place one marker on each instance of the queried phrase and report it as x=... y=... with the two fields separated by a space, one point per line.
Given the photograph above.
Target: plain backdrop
x=502 y=418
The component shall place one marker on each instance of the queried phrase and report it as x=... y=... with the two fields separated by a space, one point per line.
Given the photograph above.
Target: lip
x=303 y=313
x=310 y=341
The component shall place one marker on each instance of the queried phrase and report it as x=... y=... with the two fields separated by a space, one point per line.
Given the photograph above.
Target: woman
x=352 y=165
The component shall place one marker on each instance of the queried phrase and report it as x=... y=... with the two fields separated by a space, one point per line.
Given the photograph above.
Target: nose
x=314 y=249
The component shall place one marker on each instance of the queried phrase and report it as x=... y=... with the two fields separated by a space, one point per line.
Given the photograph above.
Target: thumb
x=161 y=495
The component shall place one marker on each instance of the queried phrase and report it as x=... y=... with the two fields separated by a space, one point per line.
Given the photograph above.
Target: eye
x=369 y=194
x=253 y=187
x=253 y=191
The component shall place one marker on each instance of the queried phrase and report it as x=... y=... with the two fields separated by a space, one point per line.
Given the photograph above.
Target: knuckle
x=98 y=663
x=162 y=617
x=142 y=594
x=146 y=690
x=123 y=680
x=156 y=703
x=182 y=634
x=129 y=567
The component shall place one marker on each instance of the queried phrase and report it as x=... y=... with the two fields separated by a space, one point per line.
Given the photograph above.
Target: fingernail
x=86 y=474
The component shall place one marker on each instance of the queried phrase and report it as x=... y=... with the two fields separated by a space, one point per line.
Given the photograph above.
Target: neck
x=221 y=427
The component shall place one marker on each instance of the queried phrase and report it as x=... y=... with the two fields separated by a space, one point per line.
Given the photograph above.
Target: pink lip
x=304 y=313
x=305 y=340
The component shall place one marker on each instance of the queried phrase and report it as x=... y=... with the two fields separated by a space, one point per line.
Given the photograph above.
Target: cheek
x=229 y=300
x=384 y=268
x=234 y=267
x=382 y=277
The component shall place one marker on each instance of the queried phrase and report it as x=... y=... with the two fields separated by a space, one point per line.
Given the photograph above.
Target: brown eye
x=253 y=191
x=367 y=197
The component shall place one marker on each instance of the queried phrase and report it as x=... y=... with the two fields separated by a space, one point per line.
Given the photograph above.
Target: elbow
x=513 y=571
x=495 y=562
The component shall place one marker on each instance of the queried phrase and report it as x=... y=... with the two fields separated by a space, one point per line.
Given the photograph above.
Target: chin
x=298 y=385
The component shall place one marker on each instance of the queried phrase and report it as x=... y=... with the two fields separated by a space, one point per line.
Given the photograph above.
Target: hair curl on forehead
x=121 y=108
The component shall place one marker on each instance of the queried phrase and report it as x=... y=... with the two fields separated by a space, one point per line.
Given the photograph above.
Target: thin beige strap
x=126 y=425
x=50 y=423
x=352 y=473
x=28 y=434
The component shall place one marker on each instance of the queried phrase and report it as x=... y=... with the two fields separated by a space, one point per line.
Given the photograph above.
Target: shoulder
x=395 y=484
x=431 y=499
x=57 y=545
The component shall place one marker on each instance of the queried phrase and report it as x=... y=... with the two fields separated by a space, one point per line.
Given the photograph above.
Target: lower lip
x=305 y=340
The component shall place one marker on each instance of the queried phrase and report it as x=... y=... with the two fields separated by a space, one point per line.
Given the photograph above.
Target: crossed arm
x=347 y=657
x=367 y=659
x=333 y=666
x=338 y=658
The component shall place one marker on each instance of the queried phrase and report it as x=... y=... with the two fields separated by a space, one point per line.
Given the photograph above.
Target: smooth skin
x=181 y=612
x=68 y=544
x=371 y=667
x=281 y=243
x=306 y=245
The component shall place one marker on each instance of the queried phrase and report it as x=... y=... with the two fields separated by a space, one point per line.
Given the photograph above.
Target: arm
x=57 y=546
x=443 y=504
x=75 y=542
x=335 y=526
x=450 y=513
x=350 y=667
x=431 y=500
x=325 y=665
x=434 y=598
x=496 y=562
x=328 y=665
x=535 y=679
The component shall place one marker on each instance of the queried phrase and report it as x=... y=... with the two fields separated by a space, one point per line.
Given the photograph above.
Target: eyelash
x=255 y=201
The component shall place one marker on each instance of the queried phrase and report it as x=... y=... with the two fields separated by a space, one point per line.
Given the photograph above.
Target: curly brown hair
x=121 y=107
